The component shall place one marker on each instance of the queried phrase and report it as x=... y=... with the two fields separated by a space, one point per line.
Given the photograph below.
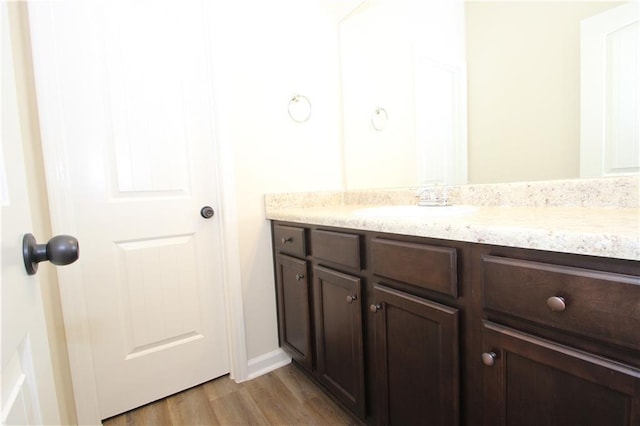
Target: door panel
x=423 y=382
x=339 y=340
x=609 y=85
x=533 y=381
x=28 y=394
x=125 y=99
x=293 y=301
x=158 y=301
x=148 y=108
x=17 y=406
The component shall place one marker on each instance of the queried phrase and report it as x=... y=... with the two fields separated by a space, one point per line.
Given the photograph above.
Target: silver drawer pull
x=489 y=358
x=375 y=308
x=286 y=240
x=556 y=303
x=351 y=298
x=299 y=277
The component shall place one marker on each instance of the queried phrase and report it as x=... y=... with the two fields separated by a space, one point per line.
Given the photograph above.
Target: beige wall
x=524 y=89
x=262 y=59
x=39 y=205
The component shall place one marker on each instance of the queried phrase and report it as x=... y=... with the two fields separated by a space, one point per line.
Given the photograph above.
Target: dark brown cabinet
x=416 y=355
x=293 y=302
x=561 y=371
x=533 y=381
x=320 y=301
x=406 y=330
x=339 y=340
x=596 y=304
x=421 y=265
x=338 y=325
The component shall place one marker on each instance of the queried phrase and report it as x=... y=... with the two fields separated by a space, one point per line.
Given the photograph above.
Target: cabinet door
x=416 y=354
x=339 y=346
x=293 y=309
x=532 y=381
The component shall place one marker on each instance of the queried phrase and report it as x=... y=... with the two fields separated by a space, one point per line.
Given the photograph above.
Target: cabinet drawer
x=336 y=247
x=426 y=266
x=597 y=304
x=290 y=239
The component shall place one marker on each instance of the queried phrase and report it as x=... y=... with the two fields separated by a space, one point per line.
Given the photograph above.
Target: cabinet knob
x=299 y=277
x=286 y=240
x=556 y=303
x=489 y=358
x=375 y=308
x=351 y=298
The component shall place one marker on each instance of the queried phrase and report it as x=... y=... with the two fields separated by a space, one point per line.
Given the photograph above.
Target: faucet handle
x=433 y=195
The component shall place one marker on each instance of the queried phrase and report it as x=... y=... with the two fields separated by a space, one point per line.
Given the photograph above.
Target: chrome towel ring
x=379 y=119
x=299 y=108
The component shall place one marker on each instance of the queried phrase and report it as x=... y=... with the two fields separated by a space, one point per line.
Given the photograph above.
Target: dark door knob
x=59 y=250
x=207 y=212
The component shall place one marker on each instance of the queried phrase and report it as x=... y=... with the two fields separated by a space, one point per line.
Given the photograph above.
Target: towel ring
x=299 y=108
x=379 y=119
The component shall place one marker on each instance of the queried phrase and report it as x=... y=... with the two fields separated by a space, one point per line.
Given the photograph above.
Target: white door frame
x=62 y=219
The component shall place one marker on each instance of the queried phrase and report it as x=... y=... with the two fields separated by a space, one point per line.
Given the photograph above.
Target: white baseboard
x=267 y=362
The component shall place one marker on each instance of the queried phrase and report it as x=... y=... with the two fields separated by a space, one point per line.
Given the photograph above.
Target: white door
x=610 y=92
x=28 y=393
x=125 y=102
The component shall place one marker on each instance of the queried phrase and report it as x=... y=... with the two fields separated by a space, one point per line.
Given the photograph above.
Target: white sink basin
x=414 y=211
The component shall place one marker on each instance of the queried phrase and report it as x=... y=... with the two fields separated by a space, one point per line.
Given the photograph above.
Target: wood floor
x=282 y=397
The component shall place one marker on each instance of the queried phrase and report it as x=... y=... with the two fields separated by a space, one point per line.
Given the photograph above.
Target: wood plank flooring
x=282 y=397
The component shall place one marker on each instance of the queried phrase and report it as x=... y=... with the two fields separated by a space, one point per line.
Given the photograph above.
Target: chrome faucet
x=433 y=196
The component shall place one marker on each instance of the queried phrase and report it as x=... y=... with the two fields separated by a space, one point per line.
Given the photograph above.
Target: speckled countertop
x=598 y=217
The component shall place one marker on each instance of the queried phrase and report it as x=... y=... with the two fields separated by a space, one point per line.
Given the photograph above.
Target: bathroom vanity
x=403 y=326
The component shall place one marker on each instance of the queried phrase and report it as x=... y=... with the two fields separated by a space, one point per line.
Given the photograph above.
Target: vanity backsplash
x=613 y=192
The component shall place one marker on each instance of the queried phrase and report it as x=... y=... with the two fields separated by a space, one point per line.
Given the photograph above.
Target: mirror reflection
x=497 y=97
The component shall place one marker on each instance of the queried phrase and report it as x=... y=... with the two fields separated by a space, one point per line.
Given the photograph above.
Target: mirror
x=518 y=105
x=402 y=64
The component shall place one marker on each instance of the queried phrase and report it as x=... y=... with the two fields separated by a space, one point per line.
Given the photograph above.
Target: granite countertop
x=546 y=218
